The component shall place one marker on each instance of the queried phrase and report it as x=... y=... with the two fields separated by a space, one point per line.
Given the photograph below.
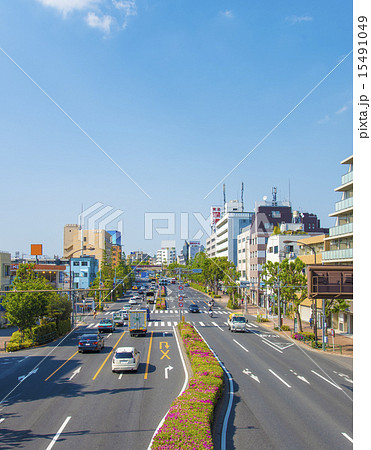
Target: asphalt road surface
x=284 y=397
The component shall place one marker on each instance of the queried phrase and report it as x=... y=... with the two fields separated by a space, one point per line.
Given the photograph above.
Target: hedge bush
x=188 y=422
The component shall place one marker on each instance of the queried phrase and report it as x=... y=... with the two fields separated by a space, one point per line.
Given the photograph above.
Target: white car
x=133 y=301
x=125 y=358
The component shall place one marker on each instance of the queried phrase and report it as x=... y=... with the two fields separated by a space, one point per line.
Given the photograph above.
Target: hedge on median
x=188 y=422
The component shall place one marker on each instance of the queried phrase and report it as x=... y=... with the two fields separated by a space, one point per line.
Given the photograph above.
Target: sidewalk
x=345 y=341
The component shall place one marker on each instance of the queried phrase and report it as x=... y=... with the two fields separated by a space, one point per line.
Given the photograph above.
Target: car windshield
x=123 y=355
x=89 y=337
x=105 y=321
x=239 y=319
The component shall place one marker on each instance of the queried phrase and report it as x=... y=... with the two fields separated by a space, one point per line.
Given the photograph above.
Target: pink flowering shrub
x=188 y=422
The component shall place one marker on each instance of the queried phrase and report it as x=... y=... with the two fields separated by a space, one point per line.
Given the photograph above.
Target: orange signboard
x=36 y=249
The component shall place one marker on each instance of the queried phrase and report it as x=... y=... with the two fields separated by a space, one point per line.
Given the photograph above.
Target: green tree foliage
x=59 y=308
x=24 y=309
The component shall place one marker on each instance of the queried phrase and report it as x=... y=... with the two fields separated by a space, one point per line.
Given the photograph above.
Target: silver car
x=125 y=358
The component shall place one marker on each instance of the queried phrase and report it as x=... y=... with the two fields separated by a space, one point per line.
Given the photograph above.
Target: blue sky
x=177 y=93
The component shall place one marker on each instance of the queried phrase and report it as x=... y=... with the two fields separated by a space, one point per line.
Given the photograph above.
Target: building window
x=76 y=263
x=270 y=250
x=6 y=270
x=276 y=214
x=84 y=263
x=275 y=249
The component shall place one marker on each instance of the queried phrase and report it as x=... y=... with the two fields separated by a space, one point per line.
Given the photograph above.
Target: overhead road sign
x=197 y=270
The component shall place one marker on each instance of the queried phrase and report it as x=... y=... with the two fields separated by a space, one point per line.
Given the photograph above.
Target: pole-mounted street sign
x=181 y=287
x=197 y=270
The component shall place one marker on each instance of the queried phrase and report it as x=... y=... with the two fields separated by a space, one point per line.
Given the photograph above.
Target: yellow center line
x=109 y=354
x=46 y=379
x=149 y=354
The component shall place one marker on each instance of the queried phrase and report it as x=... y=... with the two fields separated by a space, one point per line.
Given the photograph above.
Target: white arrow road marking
x=167 y=370
x=328 y=381
x=344 y=376
x=300 y=377
x=283 y=381
x=23 y=377
x=345 y=435
x=248 y=372
x=75 y=372
x=55 y=438
x=240 y=345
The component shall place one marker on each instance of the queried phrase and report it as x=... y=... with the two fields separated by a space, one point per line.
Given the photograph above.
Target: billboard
x=36 y=249
x=216 y=215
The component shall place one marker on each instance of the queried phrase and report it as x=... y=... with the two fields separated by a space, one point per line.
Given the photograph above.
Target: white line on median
x=283 y=381
x=55 y=438
x=240 y=345
x=270 y=345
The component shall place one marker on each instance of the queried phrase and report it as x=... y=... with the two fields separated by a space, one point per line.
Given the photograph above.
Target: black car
x=193 y=309
x=91 y=343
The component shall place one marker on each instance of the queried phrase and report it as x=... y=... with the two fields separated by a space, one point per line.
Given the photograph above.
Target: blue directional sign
x=197 y=270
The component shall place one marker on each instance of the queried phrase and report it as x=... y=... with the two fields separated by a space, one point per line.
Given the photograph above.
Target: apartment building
x=167 y=253
x=341 y=235
x=340 y=241
x=223 y=242
x=5 y=262
x=78 y=242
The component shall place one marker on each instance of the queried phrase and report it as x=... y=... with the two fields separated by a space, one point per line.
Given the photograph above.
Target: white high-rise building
x=167 y=253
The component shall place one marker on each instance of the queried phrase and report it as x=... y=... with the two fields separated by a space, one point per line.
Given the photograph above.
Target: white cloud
x=102 y=23
x=324 y=120
x=127 y=7
x=66 y=6
x=298 y=19
x=227 y=13
x=343 y=109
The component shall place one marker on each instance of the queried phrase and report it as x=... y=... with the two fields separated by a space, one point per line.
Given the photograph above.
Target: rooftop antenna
x=274 y=196
x=242 y=195
x=224 y=194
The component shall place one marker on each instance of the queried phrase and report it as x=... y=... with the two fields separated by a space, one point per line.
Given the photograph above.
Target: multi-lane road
x=282 y=396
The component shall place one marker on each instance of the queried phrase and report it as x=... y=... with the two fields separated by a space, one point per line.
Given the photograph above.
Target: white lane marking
x=149 y=324
x=328 y=381
x=2 y=420
x=253 y=324
x=270 y=345
x=166 y=311
x=162 y=324
x=240 y=345
x=169 y=324
x=346 y=436
x=156 y=324
x=161 y=312
x=91 y=325
x=120 y=376
x=300 y=376
x=216 y=325
x=108 y=312
x=175 y=324
x=248 y=325
x=176 y=311
x=55 y=438
x=202 y=324
x=226 y=323
x=283 y=381
x=96 y=326
x=109 y=334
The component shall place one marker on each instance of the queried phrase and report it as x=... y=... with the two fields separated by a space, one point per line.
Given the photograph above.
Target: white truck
x=137 y=322
x=237 y=322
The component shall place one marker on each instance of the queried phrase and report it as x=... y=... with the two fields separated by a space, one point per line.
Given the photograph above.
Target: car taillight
x=80 y=343
x=95 y=343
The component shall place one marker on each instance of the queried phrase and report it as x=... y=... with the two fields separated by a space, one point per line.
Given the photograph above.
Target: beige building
x=77 y=242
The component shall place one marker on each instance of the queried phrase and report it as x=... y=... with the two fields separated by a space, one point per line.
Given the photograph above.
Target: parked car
x=186 y=284
x=125 y=358
x=90 y=343
x=106 y=325
x=193 y=308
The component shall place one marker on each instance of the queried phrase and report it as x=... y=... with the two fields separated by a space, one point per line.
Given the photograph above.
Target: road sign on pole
x=181 y=287
x=197 y=270
x=180 y=304
x=180 y=298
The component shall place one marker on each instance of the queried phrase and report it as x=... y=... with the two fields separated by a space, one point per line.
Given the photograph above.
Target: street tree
x=24 y=309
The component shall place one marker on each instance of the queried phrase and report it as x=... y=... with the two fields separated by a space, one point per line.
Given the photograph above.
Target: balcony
x=333 y=255
x=341 y=229
x=344 y=204
x=347 y=177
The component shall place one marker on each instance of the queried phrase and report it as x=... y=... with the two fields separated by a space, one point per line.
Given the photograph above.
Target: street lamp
x=72 y=301
x=315 y=300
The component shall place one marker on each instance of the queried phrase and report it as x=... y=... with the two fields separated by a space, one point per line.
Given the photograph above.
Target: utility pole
x=279 y=298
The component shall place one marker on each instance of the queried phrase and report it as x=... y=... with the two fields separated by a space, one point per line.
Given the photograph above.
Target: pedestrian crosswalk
x=184 y=311
x=171 y=323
